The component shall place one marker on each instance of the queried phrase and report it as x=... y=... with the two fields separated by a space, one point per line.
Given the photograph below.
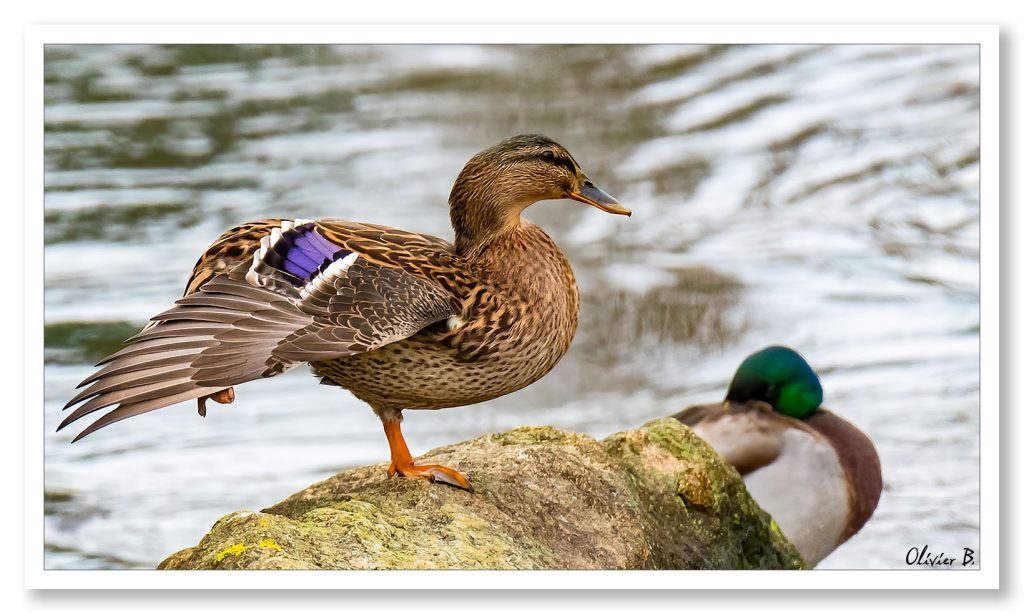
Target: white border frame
x=987 y=36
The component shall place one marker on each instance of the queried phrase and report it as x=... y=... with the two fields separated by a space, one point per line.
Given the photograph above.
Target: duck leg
x=224 y=397
x=401 y=461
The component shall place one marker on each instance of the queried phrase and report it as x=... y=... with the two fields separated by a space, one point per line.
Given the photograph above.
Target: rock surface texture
x=652 y=498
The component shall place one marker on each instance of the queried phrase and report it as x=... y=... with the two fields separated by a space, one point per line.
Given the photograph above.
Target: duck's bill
x=596 y=197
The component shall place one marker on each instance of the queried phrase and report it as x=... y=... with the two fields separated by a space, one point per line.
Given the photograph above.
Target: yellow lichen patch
x=235 y=550
x=696 y=488
x=269 y=543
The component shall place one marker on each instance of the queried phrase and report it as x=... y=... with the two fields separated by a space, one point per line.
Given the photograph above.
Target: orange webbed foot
x=224 y=397
x=401 y=461
x=434 y=473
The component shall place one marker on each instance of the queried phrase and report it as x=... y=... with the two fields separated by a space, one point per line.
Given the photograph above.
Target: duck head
x=780 y=377
x=500 y=182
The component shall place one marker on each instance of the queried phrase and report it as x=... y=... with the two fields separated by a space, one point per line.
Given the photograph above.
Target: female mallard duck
x=815 y=473
x=402 y=320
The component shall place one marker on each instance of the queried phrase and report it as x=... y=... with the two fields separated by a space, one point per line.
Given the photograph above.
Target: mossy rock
x=653 y=498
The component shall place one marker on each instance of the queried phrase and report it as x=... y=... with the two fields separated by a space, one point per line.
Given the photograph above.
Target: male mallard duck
x=815 y=473
x=402 y=320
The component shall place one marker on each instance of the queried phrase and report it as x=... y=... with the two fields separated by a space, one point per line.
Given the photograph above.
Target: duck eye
x=548 y=155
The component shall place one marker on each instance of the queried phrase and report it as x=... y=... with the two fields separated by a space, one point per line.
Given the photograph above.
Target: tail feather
x=181 y=328
x=202 y=315
x=157 y=345
x=181 y=356
x=128 y=380
x=224 y=301
x=134 y=409
x=223 y=335
x=144 y=376
x=131 y=395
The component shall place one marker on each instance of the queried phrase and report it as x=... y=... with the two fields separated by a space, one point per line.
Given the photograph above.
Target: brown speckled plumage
x=518 y=313
x=402 y=320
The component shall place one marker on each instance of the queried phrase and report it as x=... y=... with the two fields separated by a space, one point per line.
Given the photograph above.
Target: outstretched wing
x=301 y=298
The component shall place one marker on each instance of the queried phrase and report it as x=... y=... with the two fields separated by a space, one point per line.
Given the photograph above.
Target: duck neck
x=479 y=216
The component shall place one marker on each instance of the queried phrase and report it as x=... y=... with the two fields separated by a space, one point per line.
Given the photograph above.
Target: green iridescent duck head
x=780 y=377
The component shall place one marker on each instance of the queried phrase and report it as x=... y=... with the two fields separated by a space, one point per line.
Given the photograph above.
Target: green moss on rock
x=653 y=498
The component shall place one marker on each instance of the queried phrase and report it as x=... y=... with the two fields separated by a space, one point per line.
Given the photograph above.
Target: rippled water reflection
x=823 y=197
